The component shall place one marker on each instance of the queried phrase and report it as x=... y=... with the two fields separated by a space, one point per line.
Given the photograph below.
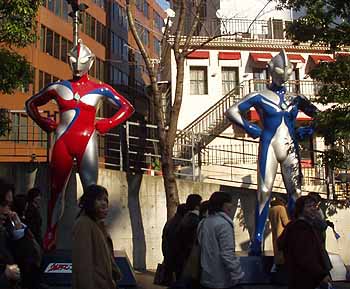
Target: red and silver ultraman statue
x=76 y=133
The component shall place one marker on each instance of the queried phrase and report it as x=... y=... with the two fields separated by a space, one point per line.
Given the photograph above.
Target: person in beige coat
x=279 y=219
x=92 y=251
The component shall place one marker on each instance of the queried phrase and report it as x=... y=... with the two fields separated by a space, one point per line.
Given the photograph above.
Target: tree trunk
x=170 y=185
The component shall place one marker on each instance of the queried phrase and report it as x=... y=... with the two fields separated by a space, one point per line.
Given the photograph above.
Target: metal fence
x=309 y=88
x=242 y=155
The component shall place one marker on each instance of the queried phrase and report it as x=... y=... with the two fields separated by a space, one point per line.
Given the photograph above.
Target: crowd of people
x=21 y=252
x=20 y=238
x=198 y=244
x=201 y=234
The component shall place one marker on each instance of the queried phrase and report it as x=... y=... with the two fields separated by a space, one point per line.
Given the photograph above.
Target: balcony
x=308 y=88
x=242 y=28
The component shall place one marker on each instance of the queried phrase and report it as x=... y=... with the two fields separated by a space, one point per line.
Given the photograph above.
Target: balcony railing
x=242 y=28
x=308 y=88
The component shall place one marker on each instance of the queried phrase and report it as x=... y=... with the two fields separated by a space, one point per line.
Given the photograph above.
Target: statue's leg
x=292 y=178
x=267 y=169
x=88 y=163
x=60 y=169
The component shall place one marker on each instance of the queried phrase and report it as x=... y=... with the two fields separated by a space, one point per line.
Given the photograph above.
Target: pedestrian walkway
x=145 y=281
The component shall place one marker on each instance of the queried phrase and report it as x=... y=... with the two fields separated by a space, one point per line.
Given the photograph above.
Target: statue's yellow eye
x=279 y=70
x=84 y=60
x=72 y=59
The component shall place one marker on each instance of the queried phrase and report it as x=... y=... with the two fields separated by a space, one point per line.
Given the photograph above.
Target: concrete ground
x=145 y=281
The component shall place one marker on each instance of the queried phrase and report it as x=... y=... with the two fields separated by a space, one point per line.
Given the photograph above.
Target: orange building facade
x=104 y=29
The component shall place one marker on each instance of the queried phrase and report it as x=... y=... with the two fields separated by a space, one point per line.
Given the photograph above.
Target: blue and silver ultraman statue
x=277 y=110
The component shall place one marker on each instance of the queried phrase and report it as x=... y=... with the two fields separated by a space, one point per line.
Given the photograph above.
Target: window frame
x=196 y=85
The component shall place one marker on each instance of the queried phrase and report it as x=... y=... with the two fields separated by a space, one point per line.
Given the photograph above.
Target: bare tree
x=175 y=40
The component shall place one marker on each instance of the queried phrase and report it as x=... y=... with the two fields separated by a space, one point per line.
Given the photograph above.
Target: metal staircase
x=205 y=128
x=213 y=122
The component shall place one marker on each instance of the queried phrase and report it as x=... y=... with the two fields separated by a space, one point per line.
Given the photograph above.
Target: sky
x=164 y=4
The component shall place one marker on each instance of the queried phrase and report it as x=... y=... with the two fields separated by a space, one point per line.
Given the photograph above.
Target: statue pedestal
x=258 y=269
x=57 y=267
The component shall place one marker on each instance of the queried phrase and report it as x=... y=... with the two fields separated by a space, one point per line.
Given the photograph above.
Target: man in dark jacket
x=302 y=248
x=169 y=240
x=186 y=232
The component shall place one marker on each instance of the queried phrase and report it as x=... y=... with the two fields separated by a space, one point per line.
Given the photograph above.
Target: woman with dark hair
x=220 y=267
x=92 y=252
x=305 y=257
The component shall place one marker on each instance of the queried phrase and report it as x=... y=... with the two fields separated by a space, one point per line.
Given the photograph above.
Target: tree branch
x=180 y=27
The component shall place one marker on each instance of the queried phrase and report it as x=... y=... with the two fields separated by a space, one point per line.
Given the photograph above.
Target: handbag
x=163 y=276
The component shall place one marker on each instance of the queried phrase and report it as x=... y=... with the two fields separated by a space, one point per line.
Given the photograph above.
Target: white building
x=230 y=67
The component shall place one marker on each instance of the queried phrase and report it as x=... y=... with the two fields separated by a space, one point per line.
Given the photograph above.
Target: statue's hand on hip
x=48 y=124
x=103 y=126
x=304 y=132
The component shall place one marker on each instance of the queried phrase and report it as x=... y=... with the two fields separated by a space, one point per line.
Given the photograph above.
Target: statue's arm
x=234 y=114
x=125 y=110
x=307 y=107
x=32 y=107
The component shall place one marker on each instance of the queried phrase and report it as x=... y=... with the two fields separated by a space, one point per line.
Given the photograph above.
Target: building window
x=99 y=67
x=229 y=77
x=198 y=80
x=92 y=28
x=158 y=21
x=51 y=5
x=139 y=4
x=41 y=79
x=277 y=26
x=42 y=38
x=58 y=10
x=64 y=49
x=156 y=44
x=47 y=79
x=260 y=78
x=57 y=44
x=125 y=78
x=49 y=41
x=125 y=51
x=87 y=24
x=65 y=10
x=99 y=3
x=98 y=32
x=146 y=9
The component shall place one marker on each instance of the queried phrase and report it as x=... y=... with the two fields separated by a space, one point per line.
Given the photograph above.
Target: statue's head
x=280 y=68
x=81 y=59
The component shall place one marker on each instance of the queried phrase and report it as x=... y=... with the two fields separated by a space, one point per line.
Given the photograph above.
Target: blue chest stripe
x=107 y=93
